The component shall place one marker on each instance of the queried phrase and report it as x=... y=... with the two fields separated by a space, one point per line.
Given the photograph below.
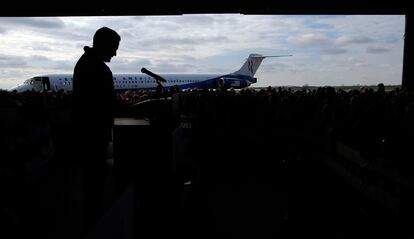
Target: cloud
x=10 y=61
x=185 y=41
x=122 y=65
x=211 y=43
x=34 y=62
x=377 y=49
x=41 y=47
x=37 y=58
x=33 y=22
x=275 y=66
x=168 y=67
x=308 y=40
x=372 y=26
x=334 y=51
x=353 y=39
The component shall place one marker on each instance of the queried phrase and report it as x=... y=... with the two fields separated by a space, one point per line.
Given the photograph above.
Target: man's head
x=106 y=43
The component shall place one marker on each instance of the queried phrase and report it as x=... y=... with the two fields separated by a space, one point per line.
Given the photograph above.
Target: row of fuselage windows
x=66 y=81
x=142 y=80
x=134 y=83
x=125 y=82
x=130 y=80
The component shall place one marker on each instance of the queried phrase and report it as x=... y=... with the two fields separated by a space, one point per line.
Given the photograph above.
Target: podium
x=131 y=149
x=142 y=155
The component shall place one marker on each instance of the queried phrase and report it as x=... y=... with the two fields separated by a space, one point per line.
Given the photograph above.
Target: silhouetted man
x=93 y=106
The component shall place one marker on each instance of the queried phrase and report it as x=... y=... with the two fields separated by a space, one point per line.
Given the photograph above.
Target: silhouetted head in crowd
x=106 y=43
x=381 y=88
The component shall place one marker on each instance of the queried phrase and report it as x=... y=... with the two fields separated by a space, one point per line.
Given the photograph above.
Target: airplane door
x=37 y=84
x=46 y=83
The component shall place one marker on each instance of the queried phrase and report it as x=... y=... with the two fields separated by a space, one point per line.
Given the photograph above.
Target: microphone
x=155 y=76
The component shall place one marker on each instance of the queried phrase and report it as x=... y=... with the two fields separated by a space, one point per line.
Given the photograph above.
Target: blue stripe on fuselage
x=213 y=83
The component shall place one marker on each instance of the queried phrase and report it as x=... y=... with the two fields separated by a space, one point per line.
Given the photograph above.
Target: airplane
x=241 y=78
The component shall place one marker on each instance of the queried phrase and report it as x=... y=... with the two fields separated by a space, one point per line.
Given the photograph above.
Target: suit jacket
x=93 y=98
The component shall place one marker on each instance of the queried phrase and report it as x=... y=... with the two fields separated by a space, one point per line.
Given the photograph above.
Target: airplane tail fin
x=252 y=63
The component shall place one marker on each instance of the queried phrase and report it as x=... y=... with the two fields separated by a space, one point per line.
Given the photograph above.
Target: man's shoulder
x=82 y=60
x=87 y=61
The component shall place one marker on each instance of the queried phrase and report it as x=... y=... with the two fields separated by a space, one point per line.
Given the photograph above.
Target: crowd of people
x=376 y=122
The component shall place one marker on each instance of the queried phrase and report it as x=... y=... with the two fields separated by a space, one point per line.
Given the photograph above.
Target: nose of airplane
x=20 y=88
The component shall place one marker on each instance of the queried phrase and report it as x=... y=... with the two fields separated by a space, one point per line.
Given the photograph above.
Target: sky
x=327 y=49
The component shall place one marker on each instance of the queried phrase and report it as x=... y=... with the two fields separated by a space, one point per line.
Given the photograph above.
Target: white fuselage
x=241 y=78
x=56 y=82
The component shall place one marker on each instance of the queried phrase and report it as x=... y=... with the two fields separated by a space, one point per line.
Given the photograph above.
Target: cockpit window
x=29 y=81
